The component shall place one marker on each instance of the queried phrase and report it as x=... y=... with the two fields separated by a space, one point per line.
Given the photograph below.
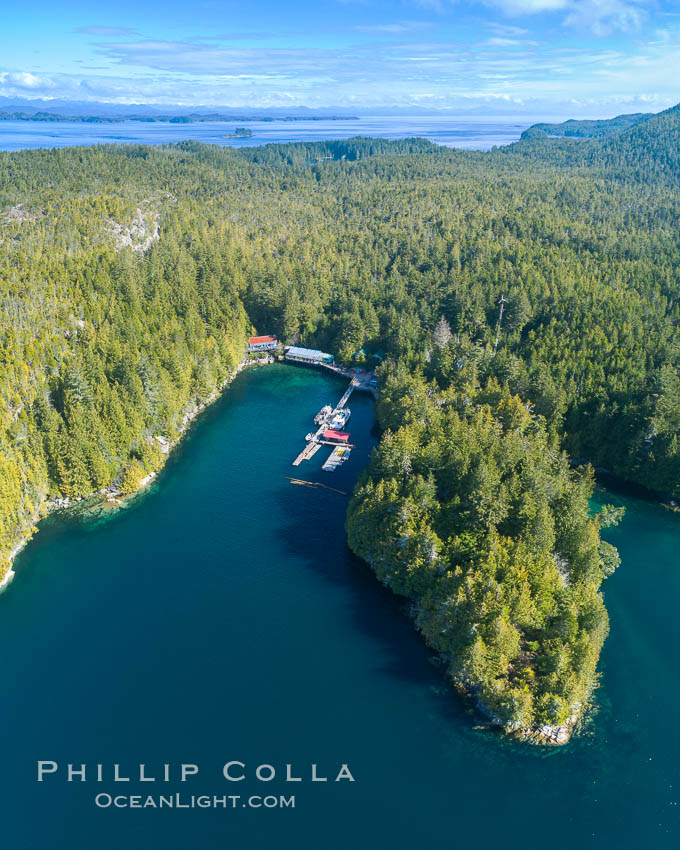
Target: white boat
x=323 y=414
x=338 y=422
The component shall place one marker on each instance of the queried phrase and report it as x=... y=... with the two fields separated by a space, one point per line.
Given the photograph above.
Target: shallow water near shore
x=222 y=617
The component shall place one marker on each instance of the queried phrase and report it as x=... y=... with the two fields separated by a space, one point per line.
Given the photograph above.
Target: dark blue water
x=444 y=130
x=223 y=618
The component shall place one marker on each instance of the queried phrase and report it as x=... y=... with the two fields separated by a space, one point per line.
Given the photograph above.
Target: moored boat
x=323 y=414
x=338 y=421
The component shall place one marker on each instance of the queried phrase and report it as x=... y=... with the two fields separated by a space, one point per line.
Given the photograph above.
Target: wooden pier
x=309 y=450
x=345 y=398
x=331 y=443
x=316 y=442
x=359 y=380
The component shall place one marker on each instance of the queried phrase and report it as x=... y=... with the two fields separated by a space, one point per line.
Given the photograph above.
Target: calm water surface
x=223 y=618
x=477 y=134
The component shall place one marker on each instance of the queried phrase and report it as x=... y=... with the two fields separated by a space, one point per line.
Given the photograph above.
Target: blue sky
x=530 y=57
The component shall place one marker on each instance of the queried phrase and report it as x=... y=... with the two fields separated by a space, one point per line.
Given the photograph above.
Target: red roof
x=254 y=340
x=336 y=435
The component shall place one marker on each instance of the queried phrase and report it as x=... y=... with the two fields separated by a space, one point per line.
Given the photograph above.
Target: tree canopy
x=130 y=277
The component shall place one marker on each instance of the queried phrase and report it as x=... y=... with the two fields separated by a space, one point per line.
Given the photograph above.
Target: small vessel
x=323 y=414
x=309 y=437
x=338 y=421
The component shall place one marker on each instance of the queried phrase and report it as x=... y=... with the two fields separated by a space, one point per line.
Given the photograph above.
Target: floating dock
x=309 y=450
x=328 y=418
x=316 y=440
x=339 y=455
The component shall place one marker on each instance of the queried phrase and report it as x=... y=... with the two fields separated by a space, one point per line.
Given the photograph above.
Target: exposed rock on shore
x=111 y=496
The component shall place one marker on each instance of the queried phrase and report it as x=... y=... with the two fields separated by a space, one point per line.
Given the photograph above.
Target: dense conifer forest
x=131 y=276
x=586 y=129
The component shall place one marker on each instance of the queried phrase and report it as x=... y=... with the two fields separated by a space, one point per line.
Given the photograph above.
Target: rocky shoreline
x=543 y=735
x=6 y=579
x=110 y=497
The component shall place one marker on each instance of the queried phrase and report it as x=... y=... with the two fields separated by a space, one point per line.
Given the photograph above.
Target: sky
x=580 y=58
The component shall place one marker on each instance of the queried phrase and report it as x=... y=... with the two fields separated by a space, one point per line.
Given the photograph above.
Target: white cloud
x=104 y=31
x=401 y=27
x=529 y=7
x=23 y=80
x=497 y=41
x=537 y=77
x=600 y=17
x=506 y=30
x=604 y=16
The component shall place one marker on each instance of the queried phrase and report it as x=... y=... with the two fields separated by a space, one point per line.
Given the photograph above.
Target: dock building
x=262 y=343
x=308 y=355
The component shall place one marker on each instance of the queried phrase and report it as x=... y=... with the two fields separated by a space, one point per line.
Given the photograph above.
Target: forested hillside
x=586 y=129
x=130 y=277
x=470 y=509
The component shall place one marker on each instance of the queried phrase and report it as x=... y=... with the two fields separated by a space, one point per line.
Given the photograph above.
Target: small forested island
x=241 y=133
x=131 y=277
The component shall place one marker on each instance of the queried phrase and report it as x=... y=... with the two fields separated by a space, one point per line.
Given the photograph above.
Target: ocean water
x=449 y=131
x=222 y=618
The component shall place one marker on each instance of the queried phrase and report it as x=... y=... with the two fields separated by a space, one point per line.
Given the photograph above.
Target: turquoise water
x=223 y=618
x=450 y=131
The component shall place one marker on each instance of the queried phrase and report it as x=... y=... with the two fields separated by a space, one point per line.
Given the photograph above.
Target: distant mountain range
x=26 y=109
x=192 y=118
x=106 y=113
x=80 y=110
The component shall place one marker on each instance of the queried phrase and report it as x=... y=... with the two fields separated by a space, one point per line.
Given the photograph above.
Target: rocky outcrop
x=140 y=234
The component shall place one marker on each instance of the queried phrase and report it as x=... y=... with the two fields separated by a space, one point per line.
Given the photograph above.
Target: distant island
x=586 y=129
x=191 y=118
x=240 y=133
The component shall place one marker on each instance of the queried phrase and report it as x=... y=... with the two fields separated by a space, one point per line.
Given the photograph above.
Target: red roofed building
x=262 y=343
x=338 y=436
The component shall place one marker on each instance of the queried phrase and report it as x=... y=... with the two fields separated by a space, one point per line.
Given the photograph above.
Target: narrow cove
x=223 y=618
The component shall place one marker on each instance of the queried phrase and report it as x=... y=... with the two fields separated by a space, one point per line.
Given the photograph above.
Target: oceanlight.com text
x=193 y=801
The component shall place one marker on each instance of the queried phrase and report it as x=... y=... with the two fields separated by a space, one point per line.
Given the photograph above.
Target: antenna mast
x=502 y=303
